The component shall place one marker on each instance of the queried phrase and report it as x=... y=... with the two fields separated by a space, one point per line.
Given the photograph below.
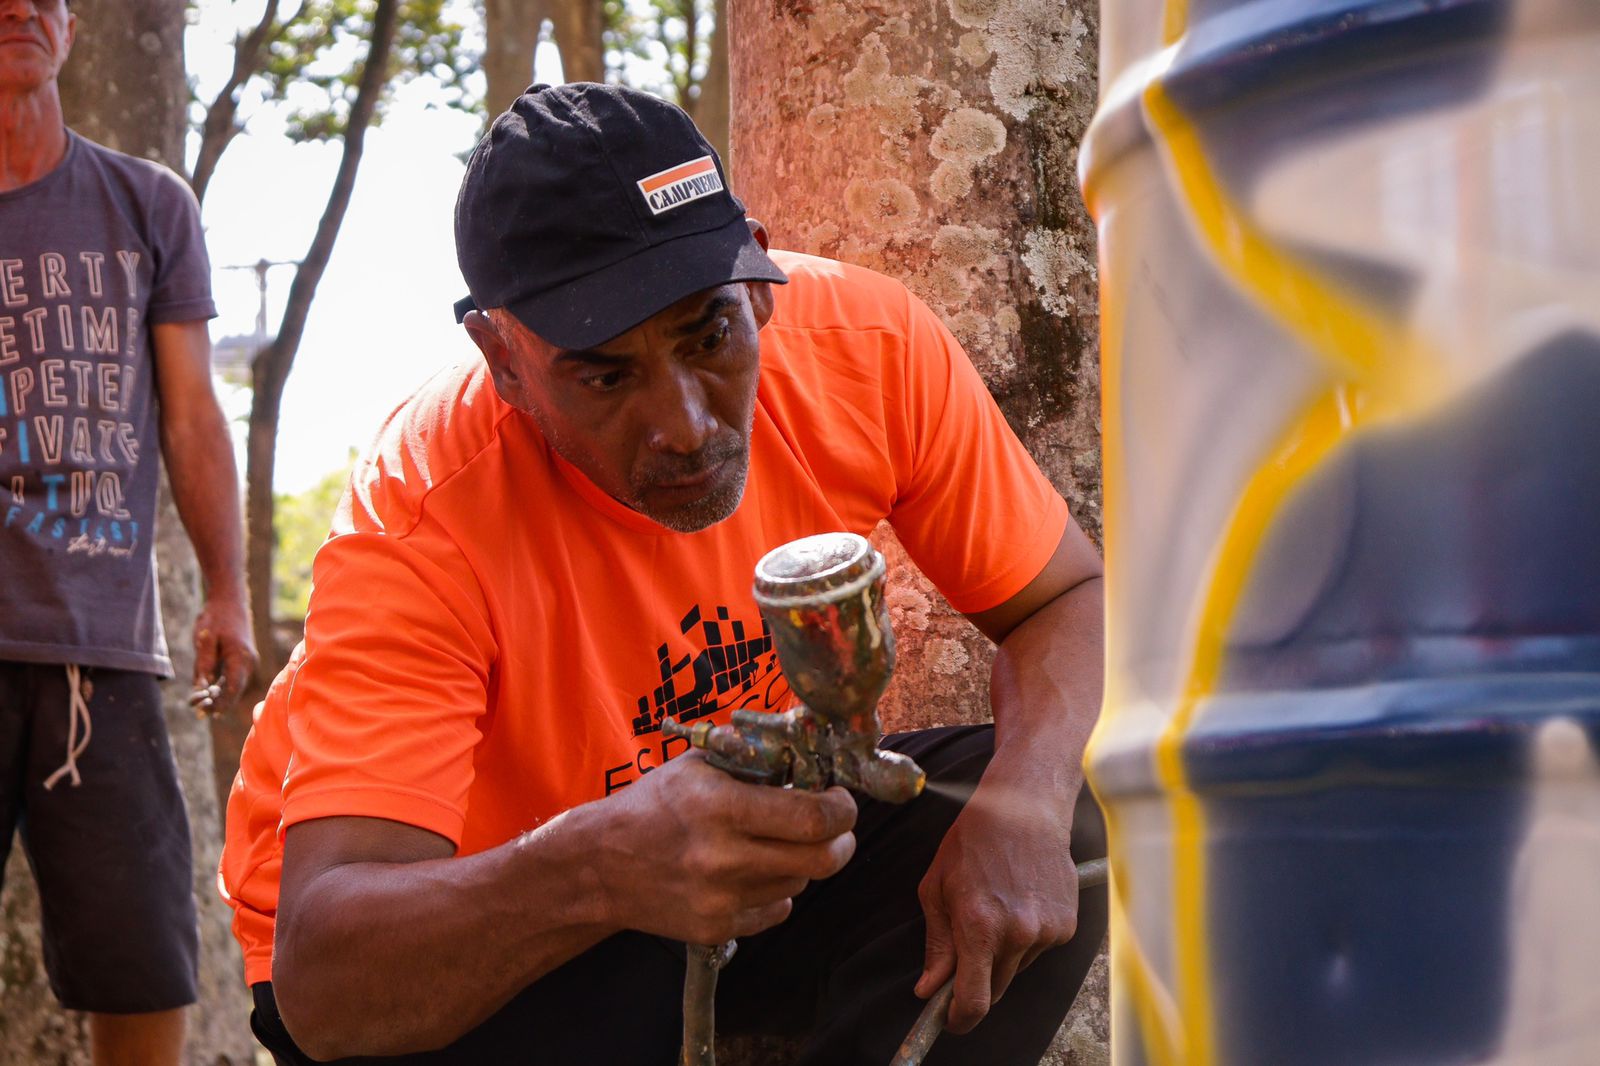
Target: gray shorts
x=111 y=853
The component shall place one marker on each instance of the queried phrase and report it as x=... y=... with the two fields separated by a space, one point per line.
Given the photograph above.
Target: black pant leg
x=112 y=853
x=842 y=968
x=619 y=1002
x=14 y=719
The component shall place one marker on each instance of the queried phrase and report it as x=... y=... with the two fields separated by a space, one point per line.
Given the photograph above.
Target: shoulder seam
x=422 y=501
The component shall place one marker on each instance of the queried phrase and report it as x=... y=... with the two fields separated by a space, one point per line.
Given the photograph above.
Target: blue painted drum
x=1350 y=265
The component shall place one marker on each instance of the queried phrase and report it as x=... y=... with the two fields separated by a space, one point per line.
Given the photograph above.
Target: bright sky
x=381 y=322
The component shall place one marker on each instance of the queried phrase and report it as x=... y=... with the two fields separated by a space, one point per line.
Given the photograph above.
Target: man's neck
x=33 y=138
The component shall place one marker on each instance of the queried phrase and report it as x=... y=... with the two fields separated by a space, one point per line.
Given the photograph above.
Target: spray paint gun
x=822 y=598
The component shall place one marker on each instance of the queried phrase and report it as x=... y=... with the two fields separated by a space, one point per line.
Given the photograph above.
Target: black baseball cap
x=588 y=208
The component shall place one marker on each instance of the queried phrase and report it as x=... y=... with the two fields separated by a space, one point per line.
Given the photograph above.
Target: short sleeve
x=384 y=713
x=181 y=290
x=972 y=507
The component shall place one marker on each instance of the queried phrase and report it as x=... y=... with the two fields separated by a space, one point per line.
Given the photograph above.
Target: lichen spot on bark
x=969 y=136
x=945 y=287
x=950 y=182
x=893 y=97
x=976 y=332
x=831 y=21
x=868 y=76
x=966 y=247
x=908 y=606
x=1054 y=263
x=822 y=120
x=819 y=239
x=974 y=48
x=881 y=204
x=946 y=656
x=1037 y=54
x=965 y=138
x=973 y=14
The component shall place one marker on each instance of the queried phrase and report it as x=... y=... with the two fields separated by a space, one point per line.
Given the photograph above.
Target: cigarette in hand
x=204 y=700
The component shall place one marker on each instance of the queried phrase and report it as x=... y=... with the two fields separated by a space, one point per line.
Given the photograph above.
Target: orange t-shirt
x=493 y=640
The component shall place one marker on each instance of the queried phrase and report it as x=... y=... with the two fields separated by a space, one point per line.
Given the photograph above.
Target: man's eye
x=602 y=382
x=713 y=340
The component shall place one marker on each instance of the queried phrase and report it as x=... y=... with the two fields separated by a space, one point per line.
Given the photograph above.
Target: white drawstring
x=77 y=711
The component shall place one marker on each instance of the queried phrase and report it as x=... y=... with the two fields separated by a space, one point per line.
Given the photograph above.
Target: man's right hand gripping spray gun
x=822 y=598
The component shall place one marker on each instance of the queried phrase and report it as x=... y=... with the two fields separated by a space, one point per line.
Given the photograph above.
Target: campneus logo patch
x=681 y=184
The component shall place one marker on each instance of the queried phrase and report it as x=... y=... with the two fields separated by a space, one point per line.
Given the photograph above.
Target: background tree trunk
x=580 y=34
x=511 y=31
x=711 y=111
x=937 y=143
x=125 y=87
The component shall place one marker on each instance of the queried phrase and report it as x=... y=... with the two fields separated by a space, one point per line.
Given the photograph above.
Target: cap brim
x=609 y=302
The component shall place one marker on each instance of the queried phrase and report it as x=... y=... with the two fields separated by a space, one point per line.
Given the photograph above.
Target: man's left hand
x=224 y=654
x=1001 y=890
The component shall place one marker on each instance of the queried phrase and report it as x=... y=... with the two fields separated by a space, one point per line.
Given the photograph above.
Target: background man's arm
x=205 y=485
x=385 y=944
x=1003 y=887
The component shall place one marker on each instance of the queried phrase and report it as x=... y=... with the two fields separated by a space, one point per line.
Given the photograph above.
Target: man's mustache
x=667 y=468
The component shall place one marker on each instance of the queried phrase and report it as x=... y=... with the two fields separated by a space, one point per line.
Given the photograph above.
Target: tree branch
x=270 y=371
x=219 y=128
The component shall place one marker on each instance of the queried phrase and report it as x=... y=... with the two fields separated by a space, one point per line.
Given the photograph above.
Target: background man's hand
x=224 y=654
x=696 y=855
x=1001 y=890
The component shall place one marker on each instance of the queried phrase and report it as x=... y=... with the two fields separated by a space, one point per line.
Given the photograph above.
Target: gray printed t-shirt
x=91 y=255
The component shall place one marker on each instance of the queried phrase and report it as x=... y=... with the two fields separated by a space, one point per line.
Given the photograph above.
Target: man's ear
x=497 y=354
x=759 y=232
x=761 y=303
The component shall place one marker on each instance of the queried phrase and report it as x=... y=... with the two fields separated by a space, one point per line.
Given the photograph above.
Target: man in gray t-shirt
x=104 y=370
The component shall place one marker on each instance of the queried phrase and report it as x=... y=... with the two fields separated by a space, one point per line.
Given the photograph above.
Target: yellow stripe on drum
x=1377 y=368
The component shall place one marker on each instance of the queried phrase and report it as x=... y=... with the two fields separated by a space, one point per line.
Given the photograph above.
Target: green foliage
x=314 y=60
x=683 y=29
x=300 y=524
x=673 y=34
x=626 y=34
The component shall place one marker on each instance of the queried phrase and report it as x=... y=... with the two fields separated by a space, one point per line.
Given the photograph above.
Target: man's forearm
x=407 y=954
x=1000 y=889
x=205 y=485
x=1045 y=691
x=388 y=958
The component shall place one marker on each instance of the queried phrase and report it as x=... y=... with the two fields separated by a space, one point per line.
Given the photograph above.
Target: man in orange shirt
x=458 y=834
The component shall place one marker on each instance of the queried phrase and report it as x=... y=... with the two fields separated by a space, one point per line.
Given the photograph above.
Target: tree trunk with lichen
x=938 y=143
x=124 y=87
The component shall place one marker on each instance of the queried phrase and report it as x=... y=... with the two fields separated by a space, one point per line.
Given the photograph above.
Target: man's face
x=35 y=37
x=660 y=417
